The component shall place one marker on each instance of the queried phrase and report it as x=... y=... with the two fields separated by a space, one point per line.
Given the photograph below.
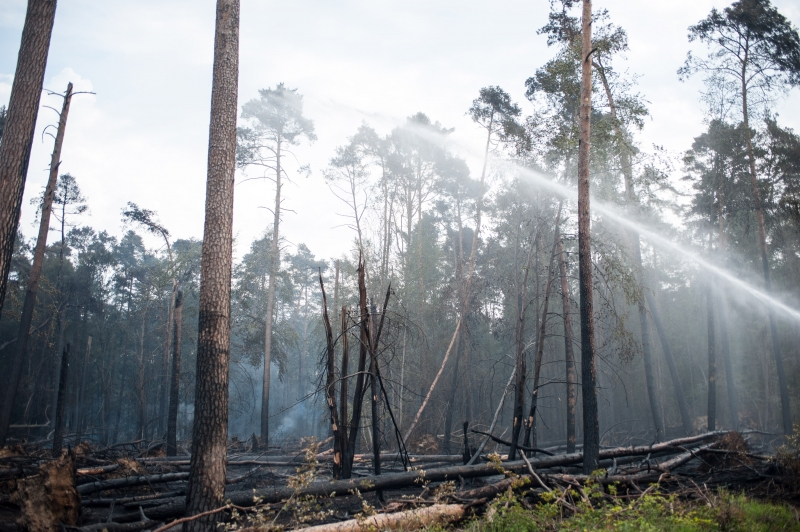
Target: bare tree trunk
x=345 y=466
x=80 y=396
x=210 y=431
x=591 y=427
x=175 y=381
x=140 y=382
x=569 y=355
x=62 y=327
x=358 y=397
x=29 y=304
x=20 y=124
x=330 y=383
x=58 y=433
x=783 y=385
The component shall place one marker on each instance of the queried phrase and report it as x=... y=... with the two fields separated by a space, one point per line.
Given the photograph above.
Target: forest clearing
x=549 y=325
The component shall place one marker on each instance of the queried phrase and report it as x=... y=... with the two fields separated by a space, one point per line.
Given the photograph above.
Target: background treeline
x=482 y=267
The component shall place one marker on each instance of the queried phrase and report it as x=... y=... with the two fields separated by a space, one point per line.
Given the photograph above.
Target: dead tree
x=330 y=384
x=569 y=355
x=29 y=304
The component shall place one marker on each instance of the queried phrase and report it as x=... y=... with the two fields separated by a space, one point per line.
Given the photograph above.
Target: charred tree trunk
x=20 y=124
x=175 y=380
x=358 y=397
x=591 y=427
x=58 y=433
x=29 y=304
x=345 y=465
x=206 y=488
x=448 y=418
x=330 y=383
x=569 y=355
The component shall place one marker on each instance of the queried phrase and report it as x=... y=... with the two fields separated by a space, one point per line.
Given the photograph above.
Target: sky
x=142 y=136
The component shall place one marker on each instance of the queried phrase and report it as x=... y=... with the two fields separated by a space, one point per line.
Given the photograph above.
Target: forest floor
x=715 y=481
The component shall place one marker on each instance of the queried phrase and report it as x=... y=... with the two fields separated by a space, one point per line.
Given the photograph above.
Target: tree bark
x=358 y=397
x=20 y=124
x=210 y=431
x=29 y=304
x=591 y=427
x=58 y=433
x=175 y=381
x=343 y=445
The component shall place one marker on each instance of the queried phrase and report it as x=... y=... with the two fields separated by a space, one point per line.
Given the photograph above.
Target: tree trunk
x=569 y=355
x=783 y=385
x=712 y=362
x=29 y=304
x=175 y=381
x=58 y=433
x=358 y=397
x=80 y=395
x=206 y=488
x=345 y=468
x=141 y=380
x=20 y=124
x=164 y=391
x=330 y=383
x=273 y=273
x=62 y=327
x=591 y=427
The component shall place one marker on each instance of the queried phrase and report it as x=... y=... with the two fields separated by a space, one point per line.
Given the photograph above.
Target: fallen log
x=100 y=485
x=410 y=478
x=520 y=447
x=125 y=500
x=92 y=471
x=406 y=520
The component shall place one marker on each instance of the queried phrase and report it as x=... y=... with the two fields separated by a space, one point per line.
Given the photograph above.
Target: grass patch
x=652 y=512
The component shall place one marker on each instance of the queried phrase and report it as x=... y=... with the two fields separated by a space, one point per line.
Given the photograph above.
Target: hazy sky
x=143 y=137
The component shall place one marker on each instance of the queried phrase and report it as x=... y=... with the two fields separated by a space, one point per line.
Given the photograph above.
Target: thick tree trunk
x=175 y=380
x=210 y=431
x=569 y=355
x=712 y=362
x=58 y=432
x=79 y=400
x=20 y=124
x=783 y=385
x=591 y=427
x=29 y=304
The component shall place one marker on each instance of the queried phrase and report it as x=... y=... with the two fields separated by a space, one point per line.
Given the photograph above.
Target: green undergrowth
x=652 y=512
